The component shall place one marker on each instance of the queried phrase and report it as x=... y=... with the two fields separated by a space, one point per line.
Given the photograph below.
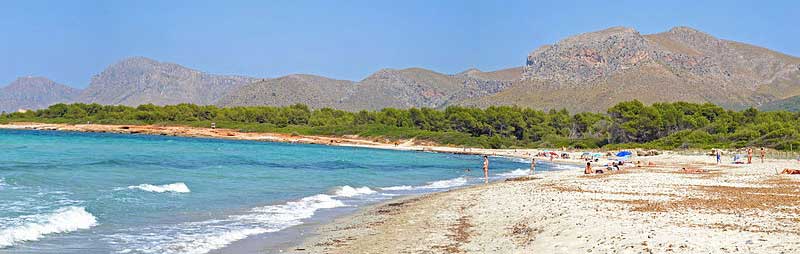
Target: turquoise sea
x=67 y=192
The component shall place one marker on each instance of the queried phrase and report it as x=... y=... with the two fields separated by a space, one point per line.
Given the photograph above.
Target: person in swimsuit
x=588 y=169
x=533 y=165
x=485 y=169
x=763 y=154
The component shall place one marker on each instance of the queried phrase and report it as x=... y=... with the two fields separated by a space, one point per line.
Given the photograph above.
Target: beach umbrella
x=624 y=154
x=597 y=155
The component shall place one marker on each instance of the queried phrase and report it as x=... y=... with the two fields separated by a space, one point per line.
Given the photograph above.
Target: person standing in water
x=533 y=165
x=588 y=169
x=485 y=169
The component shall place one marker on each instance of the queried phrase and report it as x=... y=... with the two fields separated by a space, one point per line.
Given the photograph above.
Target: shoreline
x=729 y=208
x=348 y=141
x=286 y=238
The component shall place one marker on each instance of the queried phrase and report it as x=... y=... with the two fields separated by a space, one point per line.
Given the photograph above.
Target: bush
x=626 y=125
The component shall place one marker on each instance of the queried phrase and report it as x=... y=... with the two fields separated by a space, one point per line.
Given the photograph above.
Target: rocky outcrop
x=602 y=68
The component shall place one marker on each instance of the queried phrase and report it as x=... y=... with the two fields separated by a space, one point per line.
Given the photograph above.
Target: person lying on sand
x=791 y=171
x=692 y=170
x=588 y=169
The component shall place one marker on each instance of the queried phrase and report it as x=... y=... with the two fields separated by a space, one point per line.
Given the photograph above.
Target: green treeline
x=627 y=124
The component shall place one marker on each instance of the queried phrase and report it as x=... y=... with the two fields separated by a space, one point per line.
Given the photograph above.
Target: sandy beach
x=728 y=208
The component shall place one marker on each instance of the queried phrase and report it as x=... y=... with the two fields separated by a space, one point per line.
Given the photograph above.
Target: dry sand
x=729 y=209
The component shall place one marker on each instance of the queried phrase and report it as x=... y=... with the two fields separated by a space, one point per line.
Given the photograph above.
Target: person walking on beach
x=533 y=165
x=485 y=169
x=749 y=155
x=719 y=157
x=763 y=154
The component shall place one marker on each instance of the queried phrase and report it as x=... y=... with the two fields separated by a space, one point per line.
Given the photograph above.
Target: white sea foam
x=347 y=191
x=565 y=167
x=204 y=236
x=520 y=160
x=34 y=227
x=203 y=243
x=291 y=213
x=516 y=172
x=173 y=187
x=443 y=184
x=398 y=188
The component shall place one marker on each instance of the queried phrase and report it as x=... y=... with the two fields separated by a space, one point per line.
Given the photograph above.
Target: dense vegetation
x=627 y=124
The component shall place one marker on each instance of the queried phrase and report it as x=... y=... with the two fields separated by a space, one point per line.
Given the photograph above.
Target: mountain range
x=586 y=72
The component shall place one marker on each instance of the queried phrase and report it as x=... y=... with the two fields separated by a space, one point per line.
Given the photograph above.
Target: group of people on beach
x=749 y=150
x=618 y=165
x=486 y=168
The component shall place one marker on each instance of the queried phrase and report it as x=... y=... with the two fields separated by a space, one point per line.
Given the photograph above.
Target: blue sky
x=70 y=41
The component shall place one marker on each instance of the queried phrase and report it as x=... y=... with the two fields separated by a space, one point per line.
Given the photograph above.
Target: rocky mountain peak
x=684 y=30
x=589 y=56
x=470 y=72
x=140 y=80
x=31 y=82
x=33 y=93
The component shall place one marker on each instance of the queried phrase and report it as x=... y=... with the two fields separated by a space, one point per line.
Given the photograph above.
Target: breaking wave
x=347 y=191
x=34 y=227
x=173 y=187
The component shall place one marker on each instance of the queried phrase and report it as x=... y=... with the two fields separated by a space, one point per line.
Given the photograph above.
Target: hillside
x=140 y=80
x=790 y=104
x=406 y=88
x=314 y=91
x=590 y=72
x=34 y=93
